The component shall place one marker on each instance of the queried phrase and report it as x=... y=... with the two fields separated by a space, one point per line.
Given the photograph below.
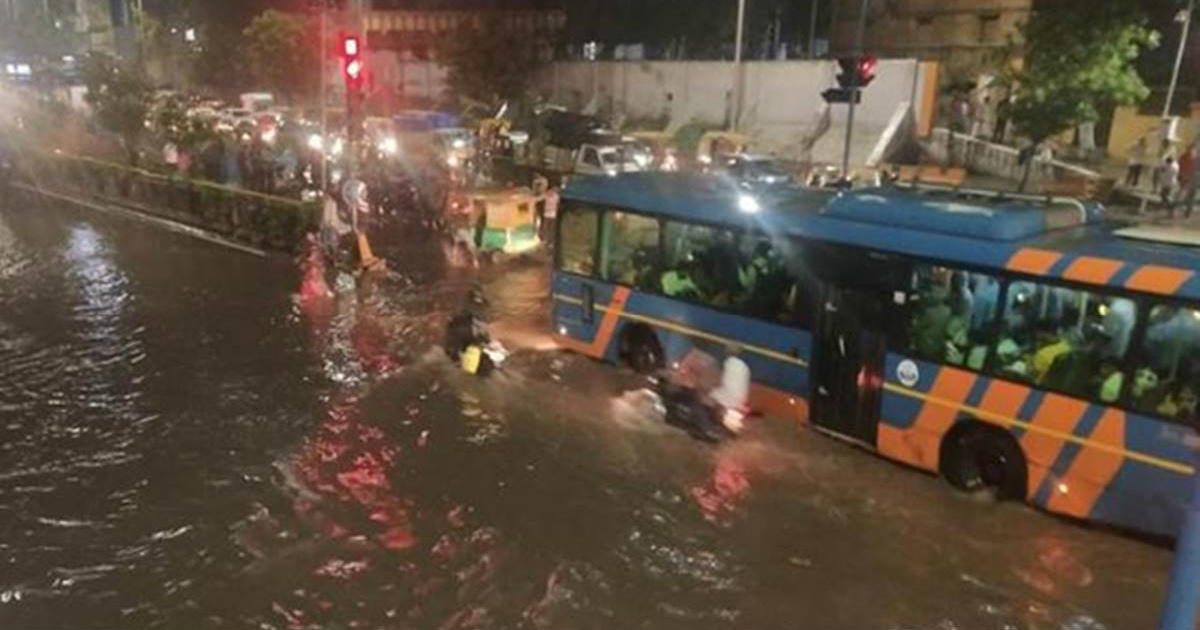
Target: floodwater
x=196 y=437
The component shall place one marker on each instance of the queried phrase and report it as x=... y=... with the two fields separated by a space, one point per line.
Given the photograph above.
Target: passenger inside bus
x=943 y=322
x=1168 y=365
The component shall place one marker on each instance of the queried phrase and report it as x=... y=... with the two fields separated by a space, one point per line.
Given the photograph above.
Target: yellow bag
x=471 y=358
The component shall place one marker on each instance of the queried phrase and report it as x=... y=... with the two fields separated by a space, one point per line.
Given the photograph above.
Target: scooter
x=686 y=409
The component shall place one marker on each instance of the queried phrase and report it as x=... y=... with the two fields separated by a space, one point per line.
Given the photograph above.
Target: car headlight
x=316 y=142
x=389 y=146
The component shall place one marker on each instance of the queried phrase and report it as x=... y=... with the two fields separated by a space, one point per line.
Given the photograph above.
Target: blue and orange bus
x=1026 y=347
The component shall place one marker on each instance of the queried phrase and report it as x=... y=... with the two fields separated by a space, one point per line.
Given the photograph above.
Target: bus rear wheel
x=978 y=458
x=640 y=349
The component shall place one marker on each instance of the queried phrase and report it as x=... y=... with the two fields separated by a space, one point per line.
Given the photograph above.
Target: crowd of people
x=1172 y=174
x=1058 y=338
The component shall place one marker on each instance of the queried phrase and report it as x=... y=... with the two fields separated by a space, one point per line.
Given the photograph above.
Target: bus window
x=952 y=315
x=1065 y=339
x=629 y=254
x=577 y=236
x=769 y=282
x=1168 y=366
x=700 y=263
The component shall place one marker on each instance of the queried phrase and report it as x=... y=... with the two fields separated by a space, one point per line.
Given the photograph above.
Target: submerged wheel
x=640 y=349
x=982 y=458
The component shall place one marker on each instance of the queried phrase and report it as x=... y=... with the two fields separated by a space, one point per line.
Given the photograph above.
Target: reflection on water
x=194 y=438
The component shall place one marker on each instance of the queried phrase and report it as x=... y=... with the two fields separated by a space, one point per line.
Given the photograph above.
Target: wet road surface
x=194 y=437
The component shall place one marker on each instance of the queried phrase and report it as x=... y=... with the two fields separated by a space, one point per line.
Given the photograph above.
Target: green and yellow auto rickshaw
x=506 y=220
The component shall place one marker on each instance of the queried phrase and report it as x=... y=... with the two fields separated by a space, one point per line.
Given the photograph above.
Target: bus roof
x=1064 y=239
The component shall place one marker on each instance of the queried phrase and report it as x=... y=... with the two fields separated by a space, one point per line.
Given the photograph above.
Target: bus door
x=849 y=362
x=851 y=340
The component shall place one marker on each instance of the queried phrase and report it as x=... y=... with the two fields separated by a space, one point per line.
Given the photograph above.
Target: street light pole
x=324 y=61
x=1187 y=22
x=812 y=30
x=856 y=90
x=737 y=66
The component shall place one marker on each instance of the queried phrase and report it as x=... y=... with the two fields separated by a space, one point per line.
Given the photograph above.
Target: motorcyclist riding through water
x=467 y=340
x=711 y=414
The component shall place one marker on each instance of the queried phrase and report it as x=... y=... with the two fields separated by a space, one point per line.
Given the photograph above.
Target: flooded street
x=190 y=439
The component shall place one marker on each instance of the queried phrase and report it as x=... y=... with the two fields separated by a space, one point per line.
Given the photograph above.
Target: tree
x=1079 y=59
x=280 y=54
x=120 y=99
x=172 y=123
x=490 y=61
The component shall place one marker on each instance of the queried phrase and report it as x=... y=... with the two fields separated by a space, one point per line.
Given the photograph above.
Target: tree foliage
x=120 y=99
x=1079 y=59
x=171 y=122
x=490 y=61
x=281 y=53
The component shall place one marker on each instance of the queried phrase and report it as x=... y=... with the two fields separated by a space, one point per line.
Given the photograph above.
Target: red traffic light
x=352 y=62
x=867 y=65
x=857 y=72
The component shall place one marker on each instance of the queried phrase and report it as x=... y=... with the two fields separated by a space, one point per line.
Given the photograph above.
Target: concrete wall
x=781 y=105
x=782 y=108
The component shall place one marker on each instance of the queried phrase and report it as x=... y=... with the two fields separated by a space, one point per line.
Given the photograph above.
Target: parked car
x=756 y=170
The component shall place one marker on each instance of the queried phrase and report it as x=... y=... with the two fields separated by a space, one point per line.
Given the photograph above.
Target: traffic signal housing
x=855 y=74
x=352 y=62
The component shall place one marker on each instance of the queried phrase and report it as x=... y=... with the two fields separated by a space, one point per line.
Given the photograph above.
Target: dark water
x=186 y=442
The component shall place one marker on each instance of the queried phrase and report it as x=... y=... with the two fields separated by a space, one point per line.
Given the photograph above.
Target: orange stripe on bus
x=1092 y=270
x=1033 y=260
x=604 y=332
x=1092 y=470
x=935 y=419
x=1003 y=400
x=1059 y=414
x=776 y=403
x=904 y=445
x=1157 y=279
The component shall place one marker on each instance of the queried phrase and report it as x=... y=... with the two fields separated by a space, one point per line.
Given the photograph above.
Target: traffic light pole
x=324 y=100
x=858 y=51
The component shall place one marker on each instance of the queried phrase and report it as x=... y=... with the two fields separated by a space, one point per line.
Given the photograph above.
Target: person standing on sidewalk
x=1137 y=160
x=1168 y=184
x=1188 y=164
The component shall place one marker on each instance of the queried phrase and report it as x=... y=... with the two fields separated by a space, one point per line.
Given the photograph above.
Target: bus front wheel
x=981 y=458
x=641 y=350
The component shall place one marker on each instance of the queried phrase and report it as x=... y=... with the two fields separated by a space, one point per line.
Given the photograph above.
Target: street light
x=1184 y=16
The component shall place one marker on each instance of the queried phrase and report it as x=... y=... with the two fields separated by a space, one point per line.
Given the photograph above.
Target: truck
x=257 y=101
x=571 y=144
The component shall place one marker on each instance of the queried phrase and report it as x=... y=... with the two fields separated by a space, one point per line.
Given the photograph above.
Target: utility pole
x=323 y=58
x=812 y=30
x=1183 y=37
x=858 y=51
x=737 y=67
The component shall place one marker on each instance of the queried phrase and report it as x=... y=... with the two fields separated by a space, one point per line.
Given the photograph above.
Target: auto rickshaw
x=714 y=146
x=506 y=220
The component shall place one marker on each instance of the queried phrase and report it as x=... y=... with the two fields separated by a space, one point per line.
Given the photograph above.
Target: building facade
x=402 y=40
x=965 y=35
